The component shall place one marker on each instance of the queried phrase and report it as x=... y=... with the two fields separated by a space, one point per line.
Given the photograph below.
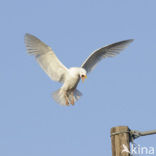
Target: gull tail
x=66 y=98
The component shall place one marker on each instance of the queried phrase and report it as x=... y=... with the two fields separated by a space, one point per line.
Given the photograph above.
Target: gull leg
x=66 y=98
x=72 y=101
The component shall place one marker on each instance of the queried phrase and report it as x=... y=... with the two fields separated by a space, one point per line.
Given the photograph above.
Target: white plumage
x=69 y=77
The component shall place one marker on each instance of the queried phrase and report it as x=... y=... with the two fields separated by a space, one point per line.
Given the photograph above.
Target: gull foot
x=72 y=101
x=66 y=98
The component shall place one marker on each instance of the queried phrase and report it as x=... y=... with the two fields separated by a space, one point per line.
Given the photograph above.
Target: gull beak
x=83 y=77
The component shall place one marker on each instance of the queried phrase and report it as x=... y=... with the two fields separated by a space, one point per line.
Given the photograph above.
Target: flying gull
x=70 y=77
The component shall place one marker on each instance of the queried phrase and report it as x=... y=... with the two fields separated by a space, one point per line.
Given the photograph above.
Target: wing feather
x=46 y=58
x=107 y=51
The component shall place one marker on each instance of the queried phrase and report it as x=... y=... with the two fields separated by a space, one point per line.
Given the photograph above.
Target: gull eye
x=83 y=76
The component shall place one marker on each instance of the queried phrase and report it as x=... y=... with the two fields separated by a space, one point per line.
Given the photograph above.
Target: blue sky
x=120 y=91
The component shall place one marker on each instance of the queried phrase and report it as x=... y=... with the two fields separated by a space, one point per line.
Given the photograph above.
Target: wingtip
x=27 y=34
x=130 y=40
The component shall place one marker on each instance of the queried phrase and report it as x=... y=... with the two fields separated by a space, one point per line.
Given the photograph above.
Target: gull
x=70 y=77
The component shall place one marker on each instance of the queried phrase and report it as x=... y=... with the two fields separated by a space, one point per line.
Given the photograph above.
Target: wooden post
x=120 y=141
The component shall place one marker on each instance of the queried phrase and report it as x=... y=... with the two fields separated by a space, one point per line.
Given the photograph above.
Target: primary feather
x=46 y=58
x=107 y=51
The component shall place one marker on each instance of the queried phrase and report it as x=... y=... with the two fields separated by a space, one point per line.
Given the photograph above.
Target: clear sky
x=120 y=91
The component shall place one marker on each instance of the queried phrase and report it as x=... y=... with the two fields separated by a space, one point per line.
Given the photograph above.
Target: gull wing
x=107 y=51
x=46 y=58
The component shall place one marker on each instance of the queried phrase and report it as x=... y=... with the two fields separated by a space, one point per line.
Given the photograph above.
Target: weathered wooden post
x=120 y=138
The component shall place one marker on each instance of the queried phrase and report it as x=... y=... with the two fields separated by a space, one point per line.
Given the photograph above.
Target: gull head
x=83 y=74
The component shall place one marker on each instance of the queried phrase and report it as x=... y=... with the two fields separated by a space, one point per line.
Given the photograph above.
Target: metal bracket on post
x=122 y=136
x=136 y=134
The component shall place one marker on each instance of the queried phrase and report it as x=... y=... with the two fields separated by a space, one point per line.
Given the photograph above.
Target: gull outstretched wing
x=107 y=51
x=46 y=58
